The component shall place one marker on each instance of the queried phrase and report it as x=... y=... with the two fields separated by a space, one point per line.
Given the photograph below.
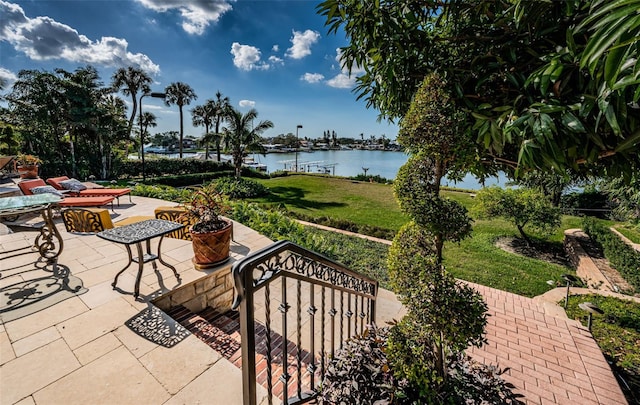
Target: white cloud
x=275 y=60
x=344 y=80
x=42 y=38
x=247 y=57
x=312 y=77
x=247 y=103
x=302 y=42
x=275 y=48
x=8 y=76
x=196 y=14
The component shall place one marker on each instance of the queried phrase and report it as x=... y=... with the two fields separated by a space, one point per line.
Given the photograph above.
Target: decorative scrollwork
x=306 y=266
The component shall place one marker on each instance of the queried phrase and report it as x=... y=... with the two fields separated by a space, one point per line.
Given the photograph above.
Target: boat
x=252 y=164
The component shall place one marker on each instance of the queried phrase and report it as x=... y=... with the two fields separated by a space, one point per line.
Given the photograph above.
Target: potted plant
x=210 y=232
x=27 y=166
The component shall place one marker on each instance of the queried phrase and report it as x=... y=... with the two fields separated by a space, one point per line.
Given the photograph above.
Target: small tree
x=444 y=316
x=525 y=208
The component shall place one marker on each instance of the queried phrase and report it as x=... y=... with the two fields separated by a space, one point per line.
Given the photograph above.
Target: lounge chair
x=27 y=187
x=65 y=183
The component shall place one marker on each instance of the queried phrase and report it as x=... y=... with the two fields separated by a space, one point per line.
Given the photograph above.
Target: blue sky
x=273 y=55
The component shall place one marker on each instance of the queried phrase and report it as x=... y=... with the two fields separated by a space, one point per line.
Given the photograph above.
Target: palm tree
x=180 y=94
x=148 y=120
x=202 y=115
x=221 y=106
x=242 y=136
x=131 y=80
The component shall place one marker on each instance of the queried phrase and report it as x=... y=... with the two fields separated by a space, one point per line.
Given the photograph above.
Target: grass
x=618 y=335
x=479 y=260
x=364 y=203
x=631 y=232
x=475 y=259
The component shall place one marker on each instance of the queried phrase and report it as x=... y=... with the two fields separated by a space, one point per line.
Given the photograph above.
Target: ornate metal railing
x=324 y=299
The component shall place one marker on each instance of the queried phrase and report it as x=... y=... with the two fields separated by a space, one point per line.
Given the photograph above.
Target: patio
x=79 y=350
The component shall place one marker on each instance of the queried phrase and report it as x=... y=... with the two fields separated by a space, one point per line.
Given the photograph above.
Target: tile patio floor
x=78 y=351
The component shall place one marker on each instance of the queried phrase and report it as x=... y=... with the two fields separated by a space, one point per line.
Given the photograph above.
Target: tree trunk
x=206 y=144
x=524 y=236
x=134 y=110
x=181 y=131
x=218 y=139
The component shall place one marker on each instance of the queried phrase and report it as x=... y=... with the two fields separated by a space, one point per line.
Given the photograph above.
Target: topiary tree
x=525 y=208
x=444 y=317
x=432 y=132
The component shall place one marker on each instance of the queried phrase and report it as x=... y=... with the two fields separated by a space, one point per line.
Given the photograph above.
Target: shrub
x=525 y=208
x=363 y=373
x=443 y=316
x=162 y=167
x=241 y=188
x=346 y=225
x=359 y=373
x=585 y=202
x=161 y=192
x=375 y=179
x=184 y=180
x=621 y=256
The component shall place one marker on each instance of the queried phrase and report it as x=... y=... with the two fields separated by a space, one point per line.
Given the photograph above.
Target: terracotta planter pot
x=211 y=248
x=28 y=171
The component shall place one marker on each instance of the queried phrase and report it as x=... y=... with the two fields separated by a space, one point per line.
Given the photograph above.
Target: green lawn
x=631 y=232
x=364 y=203
x=475 y=259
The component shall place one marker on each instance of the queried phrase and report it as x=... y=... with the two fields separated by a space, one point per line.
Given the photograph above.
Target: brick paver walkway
x=551 y=360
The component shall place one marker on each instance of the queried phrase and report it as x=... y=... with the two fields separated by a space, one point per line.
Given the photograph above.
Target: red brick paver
x=550 y=359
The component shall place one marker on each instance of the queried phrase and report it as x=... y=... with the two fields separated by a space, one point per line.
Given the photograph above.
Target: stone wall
x=214 y=290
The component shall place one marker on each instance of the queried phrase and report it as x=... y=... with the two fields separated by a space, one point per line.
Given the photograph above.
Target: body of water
x=349 y=163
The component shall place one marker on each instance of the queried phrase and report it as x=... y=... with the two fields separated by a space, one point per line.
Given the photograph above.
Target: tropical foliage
x=242 y=135
x=130 y=81
x=68 y=119
x=544 y=84
x=180 y=94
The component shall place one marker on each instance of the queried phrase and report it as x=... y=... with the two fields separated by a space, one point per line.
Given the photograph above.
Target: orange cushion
x=85 y=201
x=55 y=181
x=27 y=185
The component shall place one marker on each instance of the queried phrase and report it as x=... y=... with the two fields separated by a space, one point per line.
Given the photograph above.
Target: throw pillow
x=46 y=189
x=73 y=185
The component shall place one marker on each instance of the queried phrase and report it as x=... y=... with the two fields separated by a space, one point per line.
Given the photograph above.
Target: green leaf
x=572 y=122
x=610 y=115
x=629 y=142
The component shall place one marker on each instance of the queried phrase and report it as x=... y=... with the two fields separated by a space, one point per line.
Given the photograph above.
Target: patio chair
x=36 y=186
x=5 y=166
x=80 y=190
x=93 y=220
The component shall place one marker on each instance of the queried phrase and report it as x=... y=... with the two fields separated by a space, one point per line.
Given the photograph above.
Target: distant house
x=189 y=143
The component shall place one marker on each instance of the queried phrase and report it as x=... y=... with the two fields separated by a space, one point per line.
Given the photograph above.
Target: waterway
x=349 y=163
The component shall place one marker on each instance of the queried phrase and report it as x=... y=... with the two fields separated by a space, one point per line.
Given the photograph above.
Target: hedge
x=622 y=257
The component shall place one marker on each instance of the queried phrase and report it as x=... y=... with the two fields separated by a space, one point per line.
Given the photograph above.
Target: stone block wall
x=214 y=290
